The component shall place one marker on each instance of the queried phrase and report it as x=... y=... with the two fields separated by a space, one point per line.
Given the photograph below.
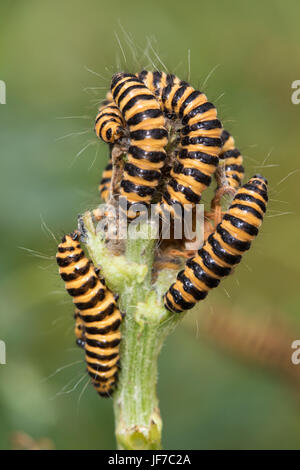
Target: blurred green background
x=245 y=55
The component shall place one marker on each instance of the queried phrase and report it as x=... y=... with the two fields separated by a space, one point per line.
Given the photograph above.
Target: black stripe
x=103 y=344
x=147 y=114
x=200 y=274
x=171 y=202
x=105 y=181
x=89 y=284
x=234 y=153
x=221 y=252
x=165 y=93
x=136 y=86
x=201 y=156
x=93 y=302
x=93 y=374
x=241 y=224
x=260 y=177
x=142 y=134
x=98 y=367
x=143 y=74
x=254 y=187
x=225 y=136
x=108 y=134
x=140 y=154
x=76 y=273
x=250 y=198
x=101 y=115
x=63 y=262
x=170 y=79
x=177 y=95
x=237 y=168
x=208 y=141
x=130 y=187
x=156 y=80
x=260 y=184
x=101 y=357
x=99 y=316
x=101 y=331
x=205 y=125
x=64 y=249
x=189 y=287
x=232 y=241
x=234 y=177
x=194 y=173
x=212 y=265
x=148 y=175
x=136 y=99
x=189 y=194
x=198 y=110
x=248 y=209
x=188 y=100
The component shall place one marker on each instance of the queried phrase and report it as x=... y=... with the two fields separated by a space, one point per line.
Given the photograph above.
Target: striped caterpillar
x=223 y=248
x=97 y=316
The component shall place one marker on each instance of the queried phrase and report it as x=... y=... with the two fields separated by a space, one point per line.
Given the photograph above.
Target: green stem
x=144 y=329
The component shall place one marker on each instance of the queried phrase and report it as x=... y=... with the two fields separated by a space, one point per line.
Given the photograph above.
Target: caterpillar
x=148 y=138
x=200 y=138
x=104 y=185
x=98 y=311
x=223 y=248
x=109 y=123
x=232 y=160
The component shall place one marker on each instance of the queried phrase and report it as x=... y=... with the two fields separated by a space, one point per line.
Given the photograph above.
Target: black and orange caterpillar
x=200 y=138
x=98 y=318
x=223 y=248
x=148 y=138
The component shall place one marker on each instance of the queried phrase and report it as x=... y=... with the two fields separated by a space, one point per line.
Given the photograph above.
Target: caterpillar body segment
x=223 y=249
x=148 y=138
x=97 y=310
x=109 y=123
x=232 y=160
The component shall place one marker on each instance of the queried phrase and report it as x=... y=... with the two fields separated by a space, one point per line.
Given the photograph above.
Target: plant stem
x=144 y=329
